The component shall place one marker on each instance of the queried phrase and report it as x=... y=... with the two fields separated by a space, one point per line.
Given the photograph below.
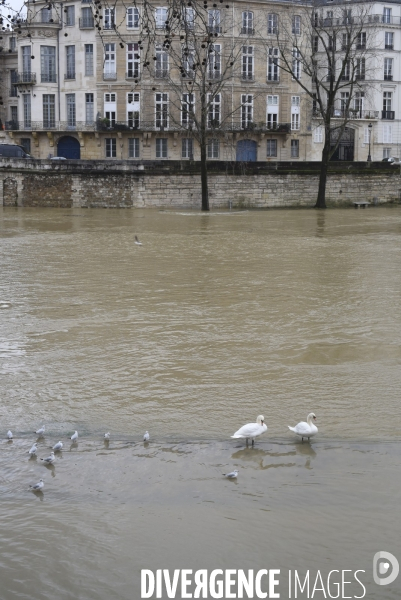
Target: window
x=389 y=40
x=346 y=41
x=87 y=20
x=361 y=41
x=366 y=135
x=247 y=22
x=272 y=112
x=295 y=112
x=161 y=101
x=26 y=63
x=132 y=18
x=344 y=102
x=161 y=17
x=296 y=25
x=161 y=147
x=358 y=103
x=27 y=110
x=271 y=148
x=133 y=147
x=26 y=144
x=214 y=65
x=188 y=60
x=387 y=134
x=161 y=63
x=48 y=64
x=331 y=42
x=133 y=110
x=214 y=112
x=71 y=111
x=296 y=64
x=328 y=21
x=189 y=18
x=13 y=81
x=388 y=69
x=272 y=64
x=315 y=43
x=111 y=147
x=110 y=109
x=133 y=61
x=386 y=152
x=14 y=116
x=346 y=68
x=46 y=15
x=386 y=15
x=247 y=63
x=214 y=21
x=49 y=110
x=272 y=21
x=13 y=44
x=88 y=60
x=318 y=135
x=246 y=110
x=187 y=110
x=294 y=148
x=387 y=101
x=360 y=69
x=187 y=148
x=70 y=59
x=70 y=16
x=347 y=17
x=109 y=67
x=109 y=18
x=89 y=109
x=213 y=149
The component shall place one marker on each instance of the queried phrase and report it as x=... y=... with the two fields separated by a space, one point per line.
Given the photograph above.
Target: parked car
x=13 y=151
x=389 y=159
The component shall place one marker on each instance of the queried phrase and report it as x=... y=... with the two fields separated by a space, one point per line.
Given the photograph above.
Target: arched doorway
x=246 y=151
x=68 y=147
x=345 y=149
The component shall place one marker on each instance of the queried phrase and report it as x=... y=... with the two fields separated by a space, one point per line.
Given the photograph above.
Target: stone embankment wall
x=122 y=184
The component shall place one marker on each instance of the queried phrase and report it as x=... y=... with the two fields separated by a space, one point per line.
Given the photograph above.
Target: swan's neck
x=310 y=421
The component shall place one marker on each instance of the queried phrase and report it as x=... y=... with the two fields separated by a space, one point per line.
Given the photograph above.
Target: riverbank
x=176 y=184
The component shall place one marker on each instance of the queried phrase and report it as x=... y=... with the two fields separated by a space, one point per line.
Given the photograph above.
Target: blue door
x=246 y=150
x=68 y=147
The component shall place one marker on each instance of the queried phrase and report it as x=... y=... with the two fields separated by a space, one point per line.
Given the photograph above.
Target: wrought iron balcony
x=28 y=125
x=69 y=75
x=132 y=75
x=248 y=30
x=214 y=28
x=110 y=76
x=86 y=23
x=26 y=77
x=247 y=77
x=388 y=115
x=161 y=73
x=352 y=113
x=388 y=77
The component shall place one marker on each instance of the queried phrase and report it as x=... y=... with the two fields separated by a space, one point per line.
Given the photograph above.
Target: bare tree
x=330 y=56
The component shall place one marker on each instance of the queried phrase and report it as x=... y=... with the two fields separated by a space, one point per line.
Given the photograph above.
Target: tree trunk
x=204 y=182
x=321 y=196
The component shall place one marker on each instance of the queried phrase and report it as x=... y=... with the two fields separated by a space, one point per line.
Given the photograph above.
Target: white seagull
x=137 y=242
x=232 y=475
x=107 y=435
x=305 y=430
x=36 y=487
x=40 y=431
x=58 y=446
x=32 y=451
x=146 y=436
x=251 y=430
x=9 y=434
x=74 y=436
x=50 y=459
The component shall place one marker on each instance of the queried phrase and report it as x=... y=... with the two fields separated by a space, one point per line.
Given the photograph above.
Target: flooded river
x=213 y=320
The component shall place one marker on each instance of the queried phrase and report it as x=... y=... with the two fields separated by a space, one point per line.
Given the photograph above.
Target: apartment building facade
x=81 y=92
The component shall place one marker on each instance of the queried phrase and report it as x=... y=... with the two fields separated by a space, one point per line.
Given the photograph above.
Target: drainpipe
x=58 y=63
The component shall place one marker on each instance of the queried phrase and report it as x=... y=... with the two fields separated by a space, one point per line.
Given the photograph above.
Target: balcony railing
x=48 y=78
x=352 y=113
x=275 y=79
x=161 y=73
x=388 y=115
x=214 y=28
x=86 y=23
x=109 y=76
x=388 y=77
x=49 y=125
x=247 y=77
x=26 y=77
x=69 y=75
x=389 y=46
x=132 y=75
x=248 y=30
x=262 y=127
x=216 y=75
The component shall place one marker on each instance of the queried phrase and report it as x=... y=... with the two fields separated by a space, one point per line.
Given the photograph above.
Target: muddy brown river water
x=213 y=320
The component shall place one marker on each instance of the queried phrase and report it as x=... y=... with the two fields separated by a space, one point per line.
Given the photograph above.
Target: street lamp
x=370 y=135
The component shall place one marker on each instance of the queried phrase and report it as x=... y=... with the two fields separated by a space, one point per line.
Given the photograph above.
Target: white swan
x=251 y=430
x=305 y=430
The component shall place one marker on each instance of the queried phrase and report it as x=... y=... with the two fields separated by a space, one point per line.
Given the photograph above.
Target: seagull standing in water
x=251 y=430
x=107 y=435
x=146 y=436
x=232 y=475
x=9 y=434
x=137 y=242
x=50 y=459
x=58 y=446
x=305 y=430
x=32 y=451
x=36 y=487
x=41 y=431
x=74 y=436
